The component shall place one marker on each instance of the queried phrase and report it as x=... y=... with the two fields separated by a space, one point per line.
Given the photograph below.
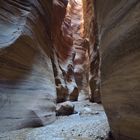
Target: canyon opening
x=69 y=69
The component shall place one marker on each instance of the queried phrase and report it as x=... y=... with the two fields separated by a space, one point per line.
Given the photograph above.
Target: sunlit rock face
x=61 y=29
x=59 y=42
x=27 y=85
x=80 y=48
x=63 y=52
x=93 y=67
x=119 y=41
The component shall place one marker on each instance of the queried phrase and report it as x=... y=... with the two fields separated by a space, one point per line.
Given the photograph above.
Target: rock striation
x=113 y=30
x=50 y=52
x=119 y=35
x=80 y=46
x=63 y=52
x=90 y=32
x=27 y=87
x=36 y=62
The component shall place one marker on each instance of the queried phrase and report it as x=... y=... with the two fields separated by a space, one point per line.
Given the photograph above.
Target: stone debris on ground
x=66 y=108
x=90 y=123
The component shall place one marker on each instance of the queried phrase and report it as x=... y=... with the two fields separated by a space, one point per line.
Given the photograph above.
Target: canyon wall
x=119 y=41
x=70 y=60
x=44 y=59
x=27 y=85
x=63 y=61
x=90 y=32
x=36 y=61
x=80 y=48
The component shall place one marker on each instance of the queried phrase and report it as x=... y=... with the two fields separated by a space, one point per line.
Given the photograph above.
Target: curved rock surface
x=119 y=40
x=44 y=59
x=36 y=61
x=63 y=53
x=27 y=95
x=80 y=45
x=90 y=32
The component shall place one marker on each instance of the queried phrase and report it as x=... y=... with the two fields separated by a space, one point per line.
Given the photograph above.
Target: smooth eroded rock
x=119 y=42
x=27 y=87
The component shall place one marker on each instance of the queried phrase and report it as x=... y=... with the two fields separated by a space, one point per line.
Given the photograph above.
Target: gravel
x=89 y=123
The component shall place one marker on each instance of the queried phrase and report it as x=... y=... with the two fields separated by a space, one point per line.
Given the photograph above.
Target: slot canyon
x=69 y=70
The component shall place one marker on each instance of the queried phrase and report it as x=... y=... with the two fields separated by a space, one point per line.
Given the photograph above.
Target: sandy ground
x=89 y=123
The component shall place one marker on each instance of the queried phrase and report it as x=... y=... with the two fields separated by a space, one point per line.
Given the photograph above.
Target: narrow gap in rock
x=79 y=112
x=69 y=69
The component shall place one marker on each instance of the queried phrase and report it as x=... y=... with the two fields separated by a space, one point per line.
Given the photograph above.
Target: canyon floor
x=88 y=123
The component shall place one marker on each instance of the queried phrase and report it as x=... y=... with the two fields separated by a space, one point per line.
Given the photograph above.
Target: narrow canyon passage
x=80 y=48
x=76 y=117
x=69 y=69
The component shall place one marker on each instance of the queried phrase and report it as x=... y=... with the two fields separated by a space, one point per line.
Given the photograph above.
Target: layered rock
x=64 y=52
x=80 y=46
x=61 y=30
x=70 y=60
x=27 y=89
x=119 y=35
x=43 y=51
x=62 y=47
x=90 y=32
x=36 y=62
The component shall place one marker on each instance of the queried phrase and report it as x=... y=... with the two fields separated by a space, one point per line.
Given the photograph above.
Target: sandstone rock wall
x=36 y=61
x=27 y=87
x=119 y=41
x=80 y=48
x=63 y=52
x=90 y=32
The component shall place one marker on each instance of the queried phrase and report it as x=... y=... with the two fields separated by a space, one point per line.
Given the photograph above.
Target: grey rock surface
x=74 y=127
x=66 y=108
x=27 y=85
x=119 y=43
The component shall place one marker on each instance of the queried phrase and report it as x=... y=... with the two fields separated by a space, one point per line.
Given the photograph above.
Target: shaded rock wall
x=36 y=61
x=119 y=34
x=27 y=87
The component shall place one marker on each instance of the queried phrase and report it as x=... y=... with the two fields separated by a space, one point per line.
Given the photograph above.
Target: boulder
x=64 y=109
